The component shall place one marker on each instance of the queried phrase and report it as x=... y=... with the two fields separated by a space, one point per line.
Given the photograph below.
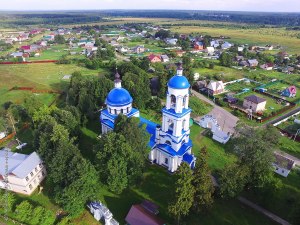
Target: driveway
x=225 y=119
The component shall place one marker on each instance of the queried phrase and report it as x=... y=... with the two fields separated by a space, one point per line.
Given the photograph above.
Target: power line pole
x=6 y=184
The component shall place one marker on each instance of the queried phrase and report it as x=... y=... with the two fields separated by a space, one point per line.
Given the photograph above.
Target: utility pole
x=6 y=184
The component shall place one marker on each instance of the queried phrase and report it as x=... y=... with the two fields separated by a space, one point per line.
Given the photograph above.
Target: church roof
x=178 y=82
x=169 y=150
x=118 y=97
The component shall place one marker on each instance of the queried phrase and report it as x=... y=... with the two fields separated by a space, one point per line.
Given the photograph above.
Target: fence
x=34 y=90
x=297 y=138
x=30 y=62
x=8 y=137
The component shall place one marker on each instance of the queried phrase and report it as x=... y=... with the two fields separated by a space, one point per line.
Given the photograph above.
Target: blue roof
x=118 y=97
x=108 y=123
x=178 y=82
x=188 y=158
x=173 y=113
x=169 y=150
x=151 y=129
x=113 y=116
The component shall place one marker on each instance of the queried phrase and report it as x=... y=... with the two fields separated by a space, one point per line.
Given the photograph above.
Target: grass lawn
x=278 y=87
x=283 y=201
x=289 y=146
x=251 y=36
x=41 y=76
x=227 y=73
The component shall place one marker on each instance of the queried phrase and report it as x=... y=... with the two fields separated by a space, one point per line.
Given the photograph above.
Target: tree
x=59 y=39
x=37 y=215
x=24 y=211
x=139 y=87
x=112 y=154
x=254 y=148
x=226 y=59
x=202 y=182
x=183 y=193
x=162 y=34
x=233 y=179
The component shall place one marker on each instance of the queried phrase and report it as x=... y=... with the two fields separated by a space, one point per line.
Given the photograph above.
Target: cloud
x=244 y=5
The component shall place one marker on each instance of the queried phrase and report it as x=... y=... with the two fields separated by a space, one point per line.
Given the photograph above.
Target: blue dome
x=118 y=97
x=178 y=82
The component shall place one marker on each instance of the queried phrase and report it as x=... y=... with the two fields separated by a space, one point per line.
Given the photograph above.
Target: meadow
x=44 y=76
x=250 y=36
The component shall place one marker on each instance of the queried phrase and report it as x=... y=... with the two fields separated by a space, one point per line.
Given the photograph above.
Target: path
x=283 y=116
x=263 y=211
x=225 y=119
x=295 y=159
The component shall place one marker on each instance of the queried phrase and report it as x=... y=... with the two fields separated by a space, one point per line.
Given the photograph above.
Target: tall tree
x=183 y=193
x=233 y=179
x=202 y=182
x=254 y=148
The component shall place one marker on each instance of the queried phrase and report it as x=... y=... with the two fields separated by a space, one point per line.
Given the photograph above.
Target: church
x=170 y=142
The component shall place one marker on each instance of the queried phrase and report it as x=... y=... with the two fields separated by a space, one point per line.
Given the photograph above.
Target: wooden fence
x=30 y=62
x=8 y=137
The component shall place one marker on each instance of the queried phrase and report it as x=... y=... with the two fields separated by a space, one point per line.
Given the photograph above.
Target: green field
x=47 y=76
x=252 y=36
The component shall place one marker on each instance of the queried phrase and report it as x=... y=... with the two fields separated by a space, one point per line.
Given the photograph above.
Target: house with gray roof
x=25 y=172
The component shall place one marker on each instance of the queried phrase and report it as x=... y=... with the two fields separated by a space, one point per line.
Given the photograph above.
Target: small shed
x=282 y=165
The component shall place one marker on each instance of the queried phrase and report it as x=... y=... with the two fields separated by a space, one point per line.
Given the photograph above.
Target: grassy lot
x=271 y=105
x=41 y=76
x=227 y=73
x=289 y=146
x=282 y=201
x=255 y=36
x=278 y=87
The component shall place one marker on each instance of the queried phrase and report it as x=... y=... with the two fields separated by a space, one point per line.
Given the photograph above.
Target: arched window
x=127 y=109
x=173 y=100
x=122 y=111
x=168 y=143
x=183 y=124
x=115 y=112
x=171 y=125
x=184 y=101
x=183 y=142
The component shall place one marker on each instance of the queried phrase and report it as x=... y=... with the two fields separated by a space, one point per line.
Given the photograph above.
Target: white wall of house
x=255 y=107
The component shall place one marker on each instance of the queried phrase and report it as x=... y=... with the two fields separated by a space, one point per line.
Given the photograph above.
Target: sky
x=226 y=5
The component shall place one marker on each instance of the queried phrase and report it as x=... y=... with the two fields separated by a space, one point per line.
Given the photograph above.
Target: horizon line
x=80 y=10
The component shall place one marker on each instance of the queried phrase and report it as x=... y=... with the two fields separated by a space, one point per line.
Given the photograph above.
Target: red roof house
x=198 y=45
x=154 y=58
x=25 y=47
x=143 y=214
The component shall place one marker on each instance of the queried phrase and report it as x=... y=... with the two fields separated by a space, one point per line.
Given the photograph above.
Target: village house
x=267 y=66
x=252 y=62
x=122 y=49
x=154 y=58
x=255 y=103
x=25 y=172
x=215 y=87
x=282 y=165
x=139 y=49
x=171 y=41
x=180 y=53
x=144 y=214
x=289 y=92
x=215 y=43
x=165 y=58
x=198 y=45
x=226 y=45
x=210 y=50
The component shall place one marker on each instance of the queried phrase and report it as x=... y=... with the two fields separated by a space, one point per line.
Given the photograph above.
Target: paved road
x=264 y=211
x=295 y=159
x=297 y=109
x=226 y=120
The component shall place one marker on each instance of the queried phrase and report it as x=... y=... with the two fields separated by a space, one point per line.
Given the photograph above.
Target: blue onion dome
x=179 y=81
x=118 y=97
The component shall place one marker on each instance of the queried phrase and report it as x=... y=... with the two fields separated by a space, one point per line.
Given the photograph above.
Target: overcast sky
x=234 y=5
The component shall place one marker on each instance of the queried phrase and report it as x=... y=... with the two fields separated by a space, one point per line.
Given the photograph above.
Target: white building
x=101 y=212
x=170 y=143
x=25 y=172
x=208 y=121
